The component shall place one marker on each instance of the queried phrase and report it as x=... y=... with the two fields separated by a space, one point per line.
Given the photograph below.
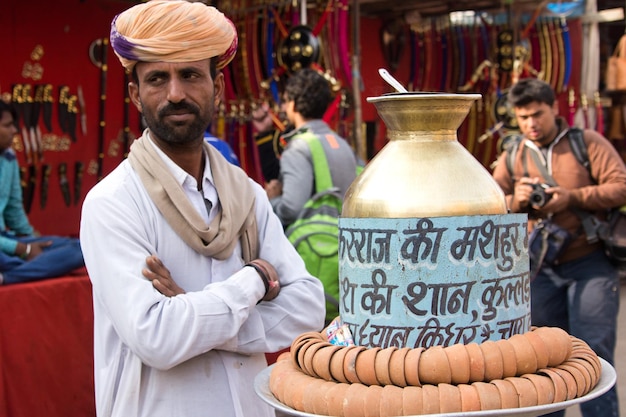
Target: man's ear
x=218 y=88
x=555 y=107
x=133 y=93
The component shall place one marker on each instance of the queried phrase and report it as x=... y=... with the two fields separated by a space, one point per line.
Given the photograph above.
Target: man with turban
x=193 y=278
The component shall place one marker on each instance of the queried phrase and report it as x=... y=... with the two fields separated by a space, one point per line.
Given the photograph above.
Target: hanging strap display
x=567 y=54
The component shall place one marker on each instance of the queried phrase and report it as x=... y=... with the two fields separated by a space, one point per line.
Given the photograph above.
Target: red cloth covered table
x=46 y=348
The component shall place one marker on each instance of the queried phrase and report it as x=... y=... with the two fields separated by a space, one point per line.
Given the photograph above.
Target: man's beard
x=177 y=133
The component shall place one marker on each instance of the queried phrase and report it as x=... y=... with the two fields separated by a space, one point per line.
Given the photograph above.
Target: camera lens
x=537 y=198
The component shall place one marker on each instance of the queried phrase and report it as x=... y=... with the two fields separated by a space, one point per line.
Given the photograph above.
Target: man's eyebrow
x=537 y=113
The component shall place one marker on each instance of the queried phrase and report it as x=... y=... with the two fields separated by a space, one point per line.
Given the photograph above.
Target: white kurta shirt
x=195 y=354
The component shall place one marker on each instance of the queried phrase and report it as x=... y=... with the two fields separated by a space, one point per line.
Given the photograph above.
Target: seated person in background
x=306 y=97
x=23 y=256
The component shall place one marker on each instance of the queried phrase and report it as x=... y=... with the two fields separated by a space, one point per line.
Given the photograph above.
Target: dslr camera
x=538 y=196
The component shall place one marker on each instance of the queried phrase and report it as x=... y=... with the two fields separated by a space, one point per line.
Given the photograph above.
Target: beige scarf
x=236 y=220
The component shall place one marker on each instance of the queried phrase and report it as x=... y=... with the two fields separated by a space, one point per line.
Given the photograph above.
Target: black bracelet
x=261 y=273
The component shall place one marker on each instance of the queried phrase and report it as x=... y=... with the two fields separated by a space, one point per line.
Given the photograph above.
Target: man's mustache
x=174 y=108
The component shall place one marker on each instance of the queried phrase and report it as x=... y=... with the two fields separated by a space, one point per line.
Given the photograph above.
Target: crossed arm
x=163 y=282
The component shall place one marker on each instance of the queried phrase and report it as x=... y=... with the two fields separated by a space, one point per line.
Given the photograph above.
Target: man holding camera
x=579 y=290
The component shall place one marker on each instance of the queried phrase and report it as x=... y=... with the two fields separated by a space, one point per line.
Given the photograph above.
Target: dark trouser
x=63 y=256
x=582 y=297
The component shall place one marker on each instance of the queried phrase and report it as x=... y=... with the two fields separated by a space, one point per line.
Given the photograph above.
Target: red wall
x=65 y=29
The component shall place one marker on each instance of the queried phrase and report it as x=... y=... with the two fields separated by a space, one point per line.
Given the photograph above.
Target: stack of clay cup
x=542 y=366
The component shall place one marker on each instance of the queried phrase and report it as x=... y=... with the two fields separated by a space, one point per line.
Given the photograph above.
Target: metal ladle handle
x=392 y=81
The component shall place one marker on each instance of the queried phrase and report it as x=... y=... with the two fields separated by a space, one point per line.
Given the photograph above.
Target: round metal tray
x=607 y=380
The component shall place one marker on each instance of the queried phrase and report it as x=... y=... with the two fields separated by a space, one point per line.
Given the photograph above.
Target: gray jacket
x=296 y=169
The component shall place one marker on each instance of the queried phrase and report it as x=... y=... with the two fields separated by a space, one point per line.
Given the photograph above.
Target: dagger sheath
x=79 y=168
x=45 y=178
x=64 y=183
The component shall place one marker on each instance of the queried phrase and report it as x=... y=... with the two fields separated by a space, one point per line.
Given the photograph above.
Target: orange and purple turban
x=173 y=31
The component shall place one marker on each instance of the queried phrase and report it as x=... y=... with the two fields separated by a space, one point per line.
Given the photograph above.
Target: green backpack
x=315 y=233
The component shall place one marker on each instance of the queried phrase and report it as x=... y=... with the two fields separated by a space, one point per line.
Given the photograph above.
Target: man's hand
x=523 y=189
x=268 y=274
x=36 y=248
x=161 y=278
x=559 y=201
x=274 y=188
x=261 y=119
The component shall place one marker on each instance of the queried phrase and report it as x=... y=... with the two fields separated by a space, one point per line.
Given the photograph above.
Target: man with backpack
x=306 y=97
x=316 y=168
x=574 y=285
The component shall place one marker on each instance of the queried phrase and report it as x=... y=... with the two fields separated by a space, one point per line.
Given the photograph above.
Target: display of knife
x=48 y=100
x=83 y=110
x=30 y=187
x=45 y=179
x=79 y=168
x=72 y=112
x=27 y=105
x=37 y=104
x=16 y=98
x=62 y=107
x=23 y=182
x=64 y=183
x=26 y=143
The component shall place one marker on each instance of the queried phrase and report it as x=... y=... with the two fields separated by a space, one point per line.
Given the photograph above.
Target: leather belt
x=243 y=70
x=558 y=59
x=547 y=45
x=257 y=29
x=567 y=54
x=272 y=85
x=554 y=49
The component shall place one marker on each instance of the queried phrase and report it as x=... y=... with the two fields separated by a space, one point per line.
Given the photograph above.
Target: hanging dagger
x=28 y=132
x=64 y=184
x=62 y=107
x=45 y=177
x=37 y=104
x=83 y=111
x=30 y=187
x=79 y=168
x=23 y=183
x=16 y=98
x=72 y=112
x=47 y=106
